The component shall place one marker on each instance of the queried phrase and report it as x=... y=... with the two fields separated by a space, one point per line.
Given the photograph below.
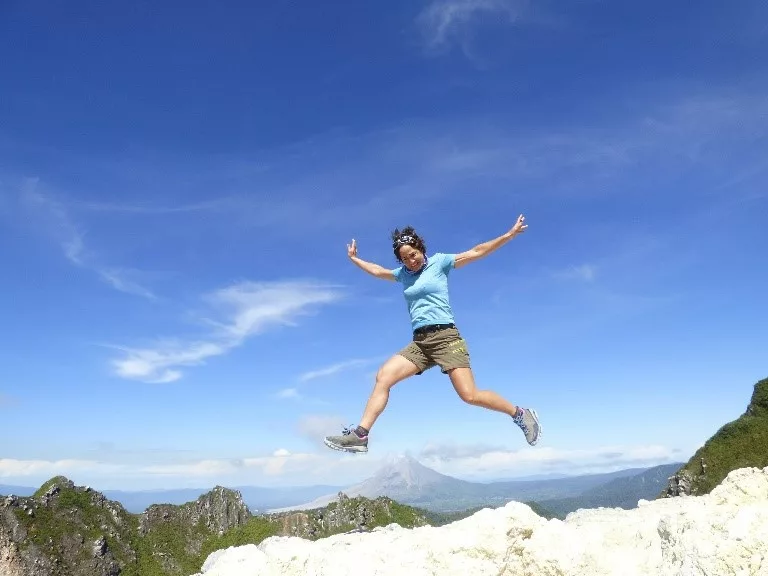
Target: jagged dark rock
x=189 y=525
x=347 y=515
x=217 y=510
x=58 y=530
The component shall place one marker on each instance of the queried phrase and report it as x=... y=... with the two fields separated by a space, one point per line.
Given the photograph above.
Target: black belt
x=432 y=328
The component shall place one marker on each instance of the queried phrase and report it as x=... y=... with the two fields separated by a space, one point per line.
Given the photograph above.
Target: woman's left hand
x=519 y=226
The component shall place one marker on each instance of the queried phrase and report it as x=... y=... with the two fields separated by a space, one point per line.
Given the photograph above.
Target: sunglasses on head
x=403 y=240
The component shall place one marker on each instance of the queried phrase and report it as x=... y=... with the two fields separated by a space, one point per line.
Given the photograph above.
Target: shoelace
x=520 y=421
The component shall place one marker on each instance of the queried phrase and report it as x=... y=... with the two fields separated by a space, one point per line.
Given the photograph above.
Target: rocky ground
x=712 y=535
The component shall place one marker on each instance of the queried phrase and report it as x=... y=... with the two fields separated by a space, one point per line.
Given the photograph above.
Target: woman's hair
x=407 y=236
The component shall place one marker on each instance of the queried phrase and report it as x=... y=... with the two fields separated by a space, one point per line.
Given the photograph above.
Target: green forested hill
x=738 y=444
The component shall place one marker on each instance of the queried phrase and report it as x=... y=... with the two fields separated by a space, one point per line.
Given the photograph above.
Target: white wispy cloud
x=288 y=393
x=293 y=394
x=118 y=279
x=58 y=222
x=71 y=238
x=204 y=206
x=15 y=468
x=239 y=312
x=584 y=272
x=336 y=368
x=282 y=466
x=483 y=461
x=403 y=168
x=445 y=21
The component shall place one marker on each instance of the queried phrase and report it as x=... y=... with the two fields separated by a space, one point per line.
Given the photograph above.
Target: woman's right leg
x=394 y=370
x=397 y=368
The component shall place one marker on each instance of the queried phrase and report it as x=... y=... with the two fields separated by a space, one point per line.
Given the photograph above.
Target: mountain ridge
x=406 y=480
x=617 y=493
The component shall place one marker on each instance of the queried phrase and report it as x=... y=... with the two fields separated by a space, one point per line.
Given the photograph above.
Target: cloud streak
x=445 y=21
x=484 y=461
x=335 y=369
x=240 y=311
x=72 y=240
x=281 y=466
x=583 y=272
x=404 y=168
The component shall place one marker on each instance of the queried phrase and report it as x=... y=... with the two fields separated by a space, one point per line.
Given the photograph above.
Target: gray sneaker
x=528 y=421
x=349 y=441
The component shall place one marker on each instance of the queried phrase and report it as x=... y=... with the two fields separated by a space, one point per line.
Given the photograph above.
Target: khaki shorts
x=445 y=348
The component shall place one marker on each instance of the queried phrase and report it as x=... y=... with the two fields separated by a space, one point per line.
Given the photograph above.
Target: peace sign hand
x=352 y=249
x=519 y=226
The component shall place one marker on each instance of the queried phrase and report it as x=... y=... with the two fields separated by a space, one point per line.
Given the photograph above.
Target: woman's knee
x=394 y=370
x=385 y=378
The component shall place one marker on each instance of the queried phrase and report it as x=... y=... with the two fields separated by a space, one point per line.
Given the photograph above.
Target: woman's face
x=412 y=258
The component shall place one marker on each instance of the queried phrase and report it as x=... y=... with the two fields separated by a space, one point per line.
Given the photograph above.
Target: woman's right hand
x=352 y=249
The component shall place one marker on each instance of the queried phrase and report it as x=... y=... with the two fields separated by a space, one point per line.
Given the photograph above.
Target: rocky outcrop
x=216 y=511
x=68 y=530
x=682 y=482
x=720 y=533
x=346 y=515
x=174 y=534
x=64 y=530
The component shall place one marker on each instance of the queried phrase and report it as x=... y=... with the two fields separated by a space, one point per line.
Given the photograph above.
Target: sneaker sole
x=538 y=436
x=352 y=449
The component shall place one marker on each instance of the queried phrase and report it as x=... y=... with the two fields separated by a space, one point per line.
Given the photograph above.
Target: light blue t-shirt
x=426 y=292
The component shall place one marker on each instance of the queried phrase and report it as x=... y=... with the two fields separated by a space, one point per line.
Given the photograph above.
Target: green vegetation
x=253 y=532
x=443 y=518
x=167 y=540
x=541 y=510
x=55 y=481
x=388 y=511
x=738 y=444
x=74 y=519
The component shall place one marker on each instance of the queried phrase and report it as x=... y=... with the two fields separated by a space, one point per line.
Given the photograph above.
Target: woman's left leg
x=449 y=350
x=464 y=383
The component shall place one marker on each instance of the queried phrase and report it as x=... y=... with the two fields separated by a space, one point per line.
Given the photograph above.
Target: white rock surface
x=719 y=534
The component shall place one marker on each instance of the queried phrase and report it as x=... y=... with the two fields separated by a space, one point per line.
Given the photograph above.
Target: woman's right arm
x=370 y=267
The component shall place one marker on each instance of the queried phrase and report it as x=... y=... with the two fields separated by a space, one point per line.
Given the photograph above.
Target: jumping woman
x=436 y=340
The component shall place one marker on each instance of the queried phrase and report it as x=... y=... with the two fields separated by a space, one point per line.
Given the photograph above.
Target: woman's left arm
x=486 y=248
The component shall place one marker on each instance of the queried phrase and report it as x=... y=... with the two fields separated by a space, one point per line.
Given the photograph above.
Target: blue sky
x=178 y=184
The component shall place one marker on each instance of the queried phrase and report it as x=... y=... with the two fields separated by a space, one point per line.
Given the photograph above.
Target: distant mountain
x=260 y=499
x=7 y=490
x=618 y=493
x=406 y=480
x=402 y=479
x=741 y=443
x=255 y=497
